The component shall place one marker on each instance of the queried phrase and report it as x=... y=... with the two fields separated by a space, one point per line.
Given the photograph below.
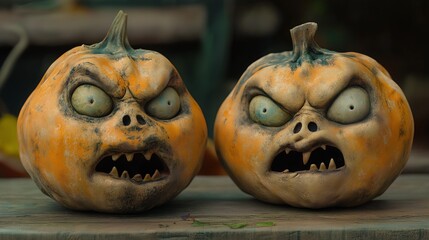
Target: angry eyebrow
x=89 y=73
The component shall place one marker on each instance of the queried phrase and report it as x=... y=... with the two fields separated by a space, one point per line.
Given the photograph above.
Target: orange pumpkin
x=211 y=164
x=314 y=128
x=111 y=129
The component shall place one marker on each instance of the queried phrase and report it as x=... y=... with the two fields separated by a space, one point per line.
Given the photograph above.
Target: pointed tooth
x=156 y=174
x=138 y=178
x=287 y=150
x=332 y=164
x=114 y=172
x=305 y=157
x=286 y=171
x=322 y=167
x=147 y=178
x=116 y=156
x=125 y=175
x=313 y=167
x=129 y=156
x=148 y=155
x=323 y=147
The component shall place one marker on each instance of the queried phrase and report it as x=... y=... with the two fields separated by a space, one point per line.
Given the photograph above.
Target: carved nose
x=126 y=120
x=311 y=126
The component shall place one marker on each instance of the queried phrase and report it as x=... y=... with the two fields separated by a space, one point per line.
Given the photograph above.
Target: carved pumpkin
x=314 y=128
x=111 y=129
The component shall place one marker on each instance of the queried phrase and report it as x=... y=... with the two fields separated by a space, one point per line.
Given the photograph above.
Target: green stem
x=303 y=40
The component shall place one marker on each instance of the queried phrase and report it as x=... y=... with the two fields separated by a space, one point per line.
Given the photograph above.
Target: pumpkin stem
x=303 y=40
x=116 y=40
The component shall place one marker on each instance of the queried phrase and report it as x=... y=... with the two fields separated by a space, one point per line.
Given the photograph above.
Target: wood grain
x=218 y=206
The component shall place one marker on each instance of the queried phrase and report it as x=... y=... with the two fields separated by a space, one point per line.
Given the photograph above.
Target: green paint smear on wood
x=236 y=225
x=198 y=223
x=265 y=224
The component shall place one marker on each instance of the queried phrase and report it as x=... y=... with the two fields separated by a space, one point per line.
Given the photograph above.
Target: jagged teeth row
x=306 y=155
x=137 y=177
x=322 y=167
x=130 y=156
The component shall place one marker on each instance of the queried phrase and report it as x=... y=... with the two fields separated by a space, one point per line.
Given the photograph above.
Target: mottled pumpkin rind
x=60 y=147
x=375 y=149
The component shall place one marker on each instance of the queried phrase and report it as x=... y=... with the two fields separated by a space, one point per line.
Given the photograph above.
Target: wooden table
x=213 y=207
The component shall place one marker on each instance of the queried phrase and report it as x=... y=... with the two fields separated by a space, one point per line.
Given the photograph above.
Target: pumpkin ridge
x=90 y=107
x=305 y=50
x=349 y=138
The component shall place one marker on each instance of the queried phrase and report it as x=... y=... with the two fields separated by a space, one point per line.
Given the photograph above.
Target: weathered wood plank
x=217 y=204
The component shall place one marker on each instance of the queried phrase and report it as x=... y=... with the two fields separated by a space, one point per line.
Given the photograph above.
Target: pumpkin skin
x=269 y=151
x=69 y=154
x=211 y=163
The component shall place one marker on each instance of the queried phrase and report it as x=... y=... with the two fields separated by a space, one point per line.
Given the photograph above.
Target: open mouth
x=322 y=159
x=135 y=167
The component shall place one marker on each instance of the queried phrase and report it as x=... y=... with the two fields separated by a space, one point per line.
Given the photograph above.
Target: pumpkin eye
x=165 y=106
x=91 y=101
x=350 y=106
x=266 y=112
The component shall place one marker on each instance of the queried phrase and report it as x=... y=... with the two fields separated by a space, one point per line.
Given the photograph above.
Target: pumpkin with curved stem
x=111 y=129
x=314 y=128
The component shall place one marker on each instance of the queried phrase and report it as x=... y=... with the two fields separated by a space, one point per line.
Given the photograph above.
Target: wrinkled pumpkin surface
x=111 y=128
x=314 y=128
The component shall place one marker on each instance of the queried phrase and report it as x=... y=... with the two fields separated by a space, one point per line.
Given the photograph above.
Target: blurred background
x=211 y=43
